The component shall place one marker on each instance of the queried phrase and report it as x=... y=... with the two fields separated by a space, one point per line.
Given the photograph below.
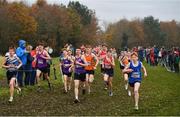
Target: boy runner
x=12 y=63
x=135 y=78
x=92 y=61
x=41 y=62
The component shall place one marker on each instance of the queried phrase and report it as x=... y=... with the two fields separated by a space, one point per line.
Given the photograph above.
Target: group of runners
x=81 y=68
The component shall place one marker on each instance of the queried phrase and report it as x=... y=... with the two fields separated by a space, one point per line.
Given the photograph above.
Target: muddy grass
x=159 y=95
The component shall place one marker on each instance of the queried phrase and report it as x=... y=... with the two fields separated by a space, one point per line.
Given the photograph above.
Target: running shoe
x=111 y=94
x=129 y=93
x=10 y=99
x=76 y=101
x=65 y=92
x=136 y=107
x=19 y=91
x=39 y=90
x=126 y=86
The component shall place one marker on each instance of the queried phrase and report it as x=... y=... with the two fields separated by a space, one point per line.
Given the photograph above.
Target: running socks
x=76 y=100
x=49 y=84
x=106 y=85
x=11 y=99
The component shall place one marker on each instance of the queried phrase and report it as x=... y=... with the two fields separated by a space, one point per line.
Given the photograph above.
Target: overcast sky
x=113 y=10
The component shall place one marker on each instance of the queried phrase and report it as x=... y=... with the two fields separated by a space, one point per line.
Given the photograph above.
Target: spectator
x=33 y=73
x=176 y=62
x=28 y=66
x=21 y=53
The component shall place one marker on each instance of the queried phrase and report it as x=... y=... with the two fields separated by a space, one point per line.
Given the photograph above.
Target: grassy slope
x=158 y=96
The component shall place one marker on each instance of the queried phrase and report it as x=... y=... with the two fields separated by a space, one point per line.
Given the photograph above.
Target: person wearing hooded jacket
x=21 y=53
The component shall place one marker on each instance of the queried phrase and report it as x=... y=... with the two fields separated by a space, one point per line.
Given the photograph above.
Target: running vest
x=124 y=61
x=41 y=62
x=102 y=54
x=12 y=61
x=66 y=64
x=135 y=75
x=78 y=68
x=90 y=61
x=107 y=64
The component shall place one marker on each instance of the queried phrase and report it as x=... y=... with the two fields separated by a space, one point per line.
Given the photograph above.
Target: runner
x=41 y=61
x=83 y=48
x=124 y=61
x=66 y=65
x=114 y=53
x=109 y=71
x=134 y=68
x=102 y=54
x=12 y=63
x=92 y=61
x=70 y=52
x=80 y=73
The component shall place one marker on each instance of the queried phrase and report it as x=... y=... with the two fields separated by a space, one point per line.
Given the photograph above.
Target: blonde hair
x=134 y=53
x=29 y=47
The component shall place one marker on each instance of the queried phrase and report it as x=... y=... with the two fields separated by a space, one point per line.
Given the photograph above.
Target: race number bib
x=40 y=61
x=135 y=75
x=107 y=66
x=89 y=63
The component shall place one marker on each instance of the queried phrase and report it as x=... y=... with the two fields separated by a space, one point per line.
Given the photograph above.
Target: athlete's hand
x=76 y=62
x=145 y=75
x=70 y=70
x=17 y=67
x=8 y=66
x=11 y=66
x=34 y=56
x=130 y=70
x=41 y=56
x=95 y=67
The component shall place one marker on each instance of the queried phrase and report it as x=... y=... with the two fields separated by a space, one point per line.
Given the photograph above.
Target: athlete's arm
x=111 y=61
x=20 y=64
x=85 y=62
x=60 y=63
x=72 y=63
x=126 y=69
x=97 y=60
x=47 y=57
x=144 y=70
x=4 y=65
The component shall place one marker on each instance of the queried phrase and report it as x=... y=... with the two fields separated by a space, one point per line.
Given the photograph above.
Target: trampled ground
x=159 y=95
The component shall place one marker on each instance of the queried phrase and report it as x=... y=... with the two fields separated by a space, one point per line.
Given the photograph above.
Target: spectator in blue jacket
x=21 y=53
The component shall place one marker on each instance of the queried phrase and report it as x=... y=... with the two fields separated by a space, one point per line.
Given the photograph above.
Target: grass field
x=159 y=95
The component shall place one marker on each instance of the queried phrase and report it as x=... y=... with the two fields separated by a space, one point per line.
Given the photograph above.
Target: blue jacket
x=21 y=51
